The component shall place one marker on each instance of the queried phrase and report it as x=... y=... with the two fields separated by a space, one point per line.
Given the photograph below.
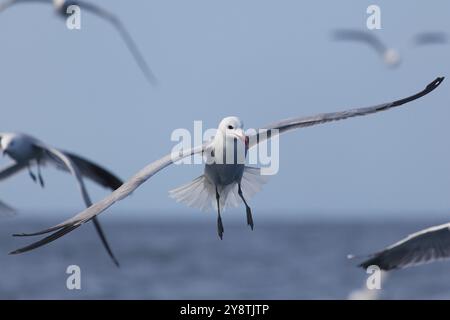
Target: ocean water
x=181 y=259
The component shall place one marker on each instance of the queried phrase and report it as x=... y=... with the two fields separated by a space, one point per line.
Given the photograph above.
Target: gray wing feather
x=360 y=36
x=426 y=246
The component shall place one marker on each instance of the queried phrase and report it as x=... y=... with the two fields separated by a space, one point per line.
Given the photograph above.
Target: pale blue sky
x=260 y=60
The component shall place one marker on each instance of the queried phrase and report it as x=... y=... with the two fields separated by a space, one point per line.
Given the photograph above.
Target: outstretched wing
x=422 y=247
x=130 y=43
x=302 y=122
x=122 y=192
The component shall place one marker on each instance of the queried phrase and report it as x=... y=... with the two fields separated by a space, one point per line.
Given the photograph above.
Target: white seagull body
x=26 y=151
x=61 y=6
x=224 y=183
x=218 y=177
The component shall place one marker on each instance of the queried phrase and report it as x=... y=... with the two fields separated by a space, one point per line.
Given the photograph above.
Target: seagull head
x=13 y=145
x=233 y=126
x=7 y=143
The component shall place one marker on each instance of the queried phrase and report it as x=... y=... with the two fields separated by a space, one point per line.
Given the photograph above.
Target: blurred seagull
x=425 y=246
x=61 y=8
x=27 y=151
x=221 y=184
x=390 y=56
x=429 y=38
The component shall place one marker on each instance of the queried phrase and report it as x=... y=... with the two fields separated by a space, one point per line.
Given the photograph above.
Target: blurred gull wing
x=11 y=170
x=430 y=38
x=130 y=43
x=125 y=190
x=426 y=246
x=94 y=172
x=54 y=155
x=360 y=36
x=302 y=122
x=8 y=3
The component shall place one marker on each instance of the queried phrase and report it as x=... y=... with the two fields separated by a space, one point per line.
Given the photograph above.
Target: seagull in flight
x=222 y=183
x=390 y=56
x=425 y=246
x=27 y=151
x=61 y=7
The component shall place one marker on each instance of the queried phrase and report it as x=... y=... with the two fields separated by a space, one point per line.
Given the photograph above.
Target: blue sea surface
x=182 y=259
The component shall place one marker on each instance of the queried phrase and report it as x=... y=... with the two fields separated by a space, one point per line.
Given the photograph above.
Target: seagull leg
x=32 y=175
x=41 y=180
x=249 y=211
x=219 y=218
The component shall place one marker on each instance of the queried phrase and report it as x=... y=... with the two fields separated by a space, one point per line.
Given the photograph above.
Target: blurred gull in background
x=27 y=151
x=425 y=246
x=390 y=56
x=61 y=7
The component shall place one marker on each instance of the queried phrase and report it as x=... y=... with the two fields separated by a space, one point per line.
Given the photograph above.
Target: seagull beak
x=239 y=133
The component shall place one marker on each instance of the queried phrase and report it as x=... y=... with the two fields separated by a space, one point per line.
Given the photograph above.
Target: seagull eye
x=230 y=127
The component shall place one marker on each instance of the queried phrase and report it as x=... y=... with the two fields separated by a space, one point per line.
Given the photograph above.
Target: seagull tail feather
x=201 y=193
x=198 y=193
